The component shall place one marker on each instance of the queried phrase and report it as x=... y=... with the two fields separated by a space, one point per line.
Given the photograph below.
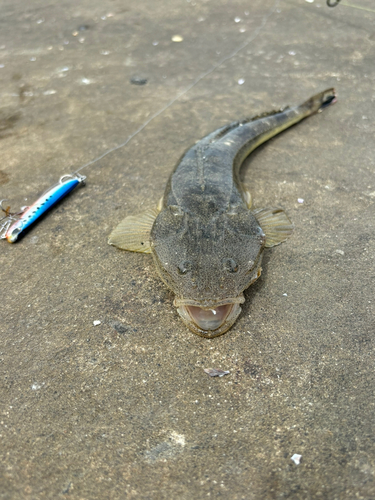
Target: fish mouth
x=209 y=322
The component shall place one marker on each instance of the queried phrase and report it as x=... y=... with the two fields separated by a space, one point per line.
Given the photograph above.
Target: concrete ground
x=124 y=409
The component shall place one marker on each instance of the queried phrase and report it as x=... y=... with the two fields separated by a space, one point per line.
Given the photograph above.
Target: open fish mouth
x=209 y=322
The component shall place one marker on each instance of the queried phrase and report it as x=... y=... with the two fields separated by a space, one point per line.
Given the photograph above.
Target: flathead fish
x=206 y=240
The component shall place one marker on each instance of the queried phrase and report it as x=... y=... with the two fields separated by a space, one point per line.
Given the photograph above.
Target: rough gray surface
x=124 y=409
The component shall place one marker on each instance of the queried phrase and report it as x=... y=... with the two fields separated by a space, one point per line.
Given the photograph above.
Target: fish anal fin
x=133 y=233
x=275 y=225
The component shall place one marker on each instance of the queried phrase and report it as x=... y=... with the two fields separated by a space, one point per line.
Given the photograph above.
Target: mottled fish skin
x=206 y=242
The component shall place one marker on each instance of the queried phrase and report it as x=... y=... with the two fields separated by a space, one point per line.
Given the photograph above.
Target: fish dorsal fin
x=275 y=224
x=133 y=233
x=264 y=115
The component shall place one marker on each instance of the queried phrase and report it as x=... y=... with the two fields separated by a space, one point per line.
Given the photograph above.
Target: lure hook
x=5 y=210
x=7 y=220
x=334 y=3
x=8 y=213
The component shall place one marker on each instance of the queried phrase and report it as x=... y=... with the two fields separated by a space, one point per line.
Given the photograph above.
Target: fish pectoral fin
x=275 y=224
x=133 y=233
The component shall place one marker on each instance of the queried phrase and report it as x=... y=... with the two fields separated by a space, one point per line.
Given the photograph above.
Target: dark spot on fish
x=138 y=80
x=4 y=178
x=184 y=267
x=230 y=265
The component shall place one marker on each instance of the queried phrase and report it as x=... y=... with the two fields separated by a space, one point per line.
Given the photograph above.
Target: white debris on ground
x=215 y=372
x=296 y=458
x=86 y=81
x=36 y=386
x=300 y=200
x=96 y=322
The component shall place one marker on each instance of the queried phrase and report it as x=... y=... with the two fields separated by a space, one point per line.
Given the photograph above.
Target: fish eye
x=184 y=267
x=230 y=265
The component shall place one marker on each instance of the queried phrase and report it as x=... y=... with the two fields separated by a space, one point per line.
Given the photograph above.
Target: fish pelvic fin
x=275 y=225
x=133 y=233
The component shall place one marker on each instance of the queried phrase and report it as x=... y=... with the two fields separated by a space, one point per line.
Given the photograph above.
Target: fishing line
x=186 y=90
x=13 y=224
x=334 y=3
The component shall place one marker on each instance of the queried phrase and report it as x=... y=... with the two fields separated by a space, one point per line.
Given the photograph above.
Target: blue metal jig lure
x=13 y=224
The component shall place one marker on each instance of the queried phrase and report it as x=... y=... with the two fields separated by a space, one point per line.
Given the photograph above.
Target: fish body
x=206 y=241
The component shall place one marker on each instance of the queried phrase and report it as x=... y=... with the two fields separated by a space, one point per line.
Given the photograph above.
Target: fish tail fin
x=320 y=101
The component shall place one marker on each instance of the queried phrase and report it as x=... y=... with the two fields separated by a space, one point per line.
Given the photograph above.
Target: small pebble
x=237 y=19
x=296 y=458
x=155 y=43
x=340 y=252
x=96 y=322
x=49 y=92
x=177 y=38
x=241 y=81
x=310 y=1
x=104 y=52
x=32 y=59
x=292 y=53
x=1 y=65
x=81 y=40
x=86 y=81
x=285 y=294
x=138 y=80
x=300 y=200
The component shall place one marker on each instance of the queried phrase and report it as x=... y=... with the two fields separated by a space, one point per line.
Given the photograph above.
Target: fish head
x=207 y=263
